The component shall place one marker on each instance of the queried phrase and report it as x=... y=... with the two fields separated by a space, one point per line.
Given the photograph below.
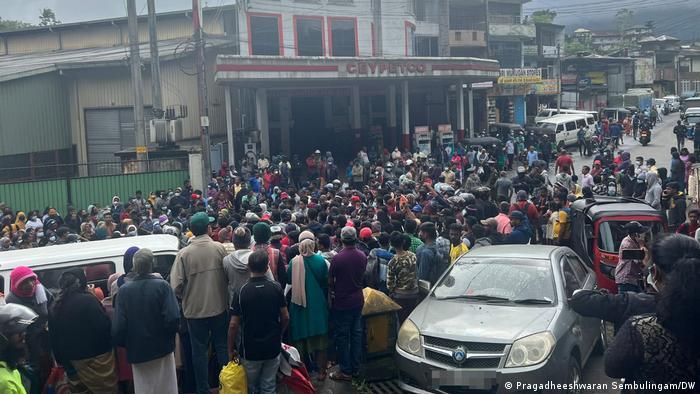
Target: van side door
x=571 y=132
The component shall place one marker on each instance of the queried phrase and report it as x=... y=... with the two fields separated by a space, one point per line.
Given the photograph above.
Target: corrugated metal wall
x=35 y=195
x=33 y=42
x=85 y=191
x=93 y=37
x=100 y=190
x=34 y=115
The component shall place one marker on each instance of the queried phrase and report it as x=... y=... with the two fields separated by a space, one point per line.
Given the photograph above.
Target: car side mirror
x=424 y=286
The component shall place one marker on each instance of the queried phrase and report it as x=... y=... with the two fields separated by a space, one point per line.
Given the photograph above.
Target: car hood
x=480 y=322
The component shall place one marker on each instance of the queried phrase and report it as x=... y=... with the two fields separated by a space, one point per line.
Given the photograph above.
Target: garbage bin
x=380 y=323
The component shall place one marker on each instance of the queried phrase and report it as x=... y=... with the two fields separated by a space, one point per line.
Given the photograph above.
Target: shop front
x=519 y=94
x=343 y=104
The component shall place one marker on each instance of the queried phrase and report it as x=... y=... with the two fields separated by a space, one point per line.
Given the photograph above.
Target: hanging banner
x=518 y=76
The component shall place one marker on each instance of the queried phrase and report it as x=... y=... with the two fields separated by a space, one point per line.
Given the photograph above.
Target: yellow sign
x=141 y=149
x=519 y=80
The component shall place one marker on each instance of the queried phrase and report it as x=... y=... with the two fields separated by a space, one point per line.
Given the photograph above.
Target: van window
x=581 y=123
x=163 y=264
x=545 y=114
x=96 y=274
x=2 y=284
x=590 y=121
x=560 y=127
x=570 y=126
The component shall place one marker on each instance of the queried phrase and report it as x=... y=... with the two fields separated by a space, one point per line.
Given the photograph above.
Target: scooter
x=644 y=137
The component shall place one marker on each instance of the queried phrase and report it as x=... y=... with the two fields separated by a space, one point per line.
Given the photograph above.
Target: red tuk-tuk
x=597 y=231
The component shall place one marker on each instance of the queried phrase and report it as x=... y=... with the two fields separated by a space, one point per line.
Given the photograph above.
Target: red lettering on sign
x=420 y=68
x=351 y=68
x=411 y=67
x=372 y=68
x=383 y=67
x=392 y=69
x=363 y=68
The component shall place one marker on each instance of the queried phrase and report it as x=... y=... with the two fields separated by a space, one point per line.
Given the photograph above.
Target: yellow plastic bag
x=232 y=379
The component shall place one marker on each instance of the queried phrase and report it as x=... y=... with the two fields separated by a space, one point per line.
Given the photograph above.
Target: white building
x=337 y=75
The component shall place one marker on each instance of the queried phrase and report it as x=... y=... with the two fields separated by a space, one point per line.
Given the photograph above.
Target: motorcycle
x=644 y=137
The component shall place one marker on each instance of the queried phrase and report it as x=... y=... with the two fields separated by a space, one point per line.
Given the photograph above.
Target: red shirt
x=565 y=160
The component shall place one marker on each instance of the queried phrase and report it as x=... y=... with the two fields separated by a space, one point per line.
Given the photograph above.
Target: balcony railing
x=467 y=23
x=505 y=19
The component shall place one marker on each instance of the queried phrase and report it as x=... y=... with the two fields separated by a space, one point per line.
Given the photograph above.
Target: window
x=548 y=39
x=419 y=8
x=265 y=35
x=685 y=86
x=309 y=36
x=410 y=37
x=96 y=274
x=343 y=36
x=571 y=283
x=612 y=232
x=163 y=264
x=579 y=269
x=570 y=126
x=560 y=127
x=581 y=123
x=427 y=46
x=696 y=86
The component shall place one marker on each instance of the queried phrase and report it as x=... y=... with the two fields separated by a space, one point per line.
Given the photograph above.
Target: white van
x=674 y=103
x=566 y=127
x=549 y=112
x=99 y=259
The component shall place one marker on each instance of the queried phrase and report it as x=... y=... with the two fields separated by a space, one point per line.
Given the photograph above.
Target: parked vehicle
x=690 y=119
x=690 y=102
x=99 y=259
x=566 y=127
x=549 y=112
x=597 y=231
x=499 y=314
x=662 y=106
x=618 y=114
x=503 y=130
x=674 y=102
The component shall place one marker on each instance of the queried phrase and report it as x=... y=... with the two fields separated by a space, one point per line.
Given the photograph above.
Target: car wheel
x=574 y=376
x=607 y=333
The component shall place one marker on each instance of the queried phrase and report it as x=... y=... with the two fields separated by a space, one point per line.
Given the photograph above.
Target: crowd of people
x=282 y=249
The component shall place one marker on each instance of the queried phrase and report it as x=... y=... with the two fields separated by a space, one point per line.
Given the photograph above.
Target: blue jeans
x=201 y=331
x=628 y=288
x=348 y=339
x=262 y=375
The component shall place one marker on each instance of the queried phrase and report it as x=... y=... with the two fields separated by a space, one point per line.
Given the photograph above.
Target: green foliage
x=574 y=47
x=543 y=16
x=7 y=24
x=48 y=18
x=624 y=19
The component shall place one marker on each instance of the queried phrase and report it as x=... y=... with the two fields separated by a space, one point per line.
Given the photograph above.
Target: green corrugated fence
x=28 y=196
x=85 y=191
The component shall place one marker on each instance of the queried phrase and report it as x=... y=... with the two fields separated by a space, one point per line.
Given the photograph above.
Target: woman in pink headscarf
x=25 y=289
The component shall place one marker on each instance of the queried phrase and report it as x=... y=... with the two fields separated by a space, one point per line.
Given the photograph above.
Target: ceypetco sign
x=379 y=68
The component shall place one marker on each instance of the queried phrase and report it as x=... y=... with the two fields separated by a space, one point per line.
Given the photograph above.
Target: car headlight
x=530 y=350
x=409 y=338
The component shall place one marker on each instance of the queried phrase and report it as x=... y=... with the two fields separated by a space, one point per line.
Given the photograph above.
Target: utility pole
x=487 y=36
x=155 y=61
x=202 y=90
x=559 y=77
x=135 y=59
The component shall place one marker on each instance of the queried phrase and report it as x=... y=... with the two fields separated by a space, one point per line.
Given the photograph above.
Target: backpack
x=376 y=271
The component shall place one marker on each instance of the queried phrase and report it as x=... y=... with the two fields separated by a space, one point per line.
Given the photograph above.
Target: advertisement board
x=644 y=71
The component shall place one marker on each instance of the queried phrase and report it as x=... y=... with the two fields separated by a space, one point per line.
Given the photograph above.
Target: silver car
x=498 y=318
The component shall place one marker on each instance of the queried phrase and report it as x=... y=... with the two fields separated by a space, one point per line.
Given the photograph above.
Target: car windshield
x=498 y=280
x=544 y=114
x=692 y=120
x=548 y=126
x=611 y=233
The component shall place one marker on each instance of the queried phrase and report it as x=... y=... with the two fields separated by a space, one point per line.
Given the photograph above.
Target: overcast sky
x=573 y=13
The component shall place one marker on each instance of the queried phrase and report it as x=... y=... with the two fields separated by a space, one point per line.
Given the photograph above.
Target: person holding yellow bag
x=259 y=312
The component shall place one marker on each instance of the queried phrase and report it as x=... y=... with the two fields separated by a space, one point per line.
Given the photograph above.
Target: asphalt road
x=662 y=139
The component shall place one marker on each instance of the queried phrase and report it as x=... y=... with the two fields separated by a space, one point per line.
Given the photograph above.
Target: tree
x=48 y=18
x=625 y=19
x=7 y=24
x=651 y=25
x=543 y=16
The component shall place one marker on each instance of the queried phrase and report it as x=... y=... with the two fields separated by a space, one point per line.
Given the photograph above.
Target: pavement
x=662 y=140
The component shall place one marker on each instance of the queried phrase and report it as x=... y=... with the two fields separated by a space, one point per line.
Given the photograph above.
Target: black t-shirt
x=258 y=304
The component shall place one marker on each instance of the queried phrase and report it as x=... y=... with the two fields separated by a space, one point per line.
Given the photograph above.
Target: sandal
x=339 y=376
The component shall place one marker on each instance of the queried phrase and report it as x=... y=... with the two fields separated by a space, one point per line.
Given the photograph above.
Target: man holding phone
x=630 y=267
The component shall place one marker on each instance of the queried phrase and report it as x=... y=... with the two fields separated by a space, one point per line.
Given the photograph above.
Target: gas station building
x=295 y=105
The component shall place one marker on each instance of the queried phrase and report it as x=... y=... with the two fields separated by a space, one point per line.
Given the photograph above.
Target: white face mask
x=652 y=282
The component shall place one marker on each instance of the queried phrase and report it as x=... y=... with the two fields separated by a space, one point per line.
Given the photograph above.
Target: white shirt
x=587 y=180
